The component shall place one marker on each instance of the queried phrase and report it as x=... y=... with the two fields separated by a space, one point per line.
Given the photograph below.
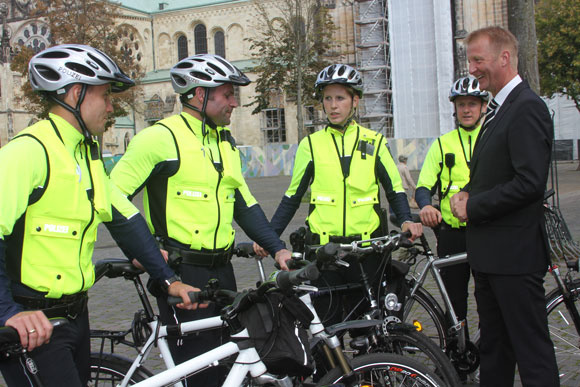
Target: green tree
x=557 y=24
x=90 y=22
x=292 y=41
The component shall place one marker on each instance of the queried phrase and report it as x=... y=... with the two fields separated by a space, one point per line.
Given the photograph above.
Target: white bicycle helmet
x=342 y=74
x=205 y=70
x=467 y=86
x=60 y=66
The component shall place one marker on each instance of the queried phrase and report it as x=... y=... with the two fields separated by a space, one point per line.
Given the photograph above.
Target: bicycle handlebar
x=380 y=244
x=285 y=280
x=245 y=250
x=9 y=336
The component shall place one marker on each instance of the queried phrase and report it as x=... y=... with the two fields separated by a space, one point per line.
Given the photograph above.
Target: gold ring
x=32 y=330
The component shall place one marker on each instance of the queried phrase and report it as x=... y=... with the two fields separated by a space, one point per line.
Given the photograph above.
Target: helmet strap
x=76 y=111
x=204 y=118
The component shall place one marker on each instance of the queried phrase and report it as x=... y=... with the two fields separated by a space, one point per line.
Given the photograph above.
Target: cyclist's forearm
x=255 y=224
x=8 y=307
x=285 y=212
x=134 y=238
x=423 y=197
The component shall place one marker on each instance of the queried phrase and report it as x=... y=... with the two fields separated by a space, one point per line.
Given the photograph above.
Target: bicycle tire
x=424 y=309
x=401 y=371
x=564 y=334
x=109 y=369
x=426 y=352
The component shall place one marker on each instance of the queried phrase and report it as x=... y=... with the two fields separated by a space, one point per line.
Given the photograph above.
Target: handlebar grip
x=404 y=240
x=195 y=297
x=245 y=249
x=327 y=252
x=286 y=279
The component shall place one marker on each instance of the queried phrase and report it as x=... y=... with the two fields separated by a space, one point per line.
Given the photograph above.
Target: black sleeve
x=397 y=200
x=423 y=197
x=290 y=204
x=8 y=307
x=254 y=223
x=135 y=240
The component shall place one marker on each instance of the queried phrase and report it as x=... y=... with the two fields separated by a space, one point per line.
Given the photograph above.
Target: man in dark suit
x=506 y=241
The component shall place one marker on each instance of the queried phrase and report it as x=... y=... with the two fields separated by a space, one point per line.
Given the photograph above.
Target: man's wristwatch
x=167 y=282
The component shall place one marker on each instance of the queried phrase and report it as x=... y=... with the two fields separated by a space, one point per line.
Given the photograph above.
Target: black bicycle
x=392 y=335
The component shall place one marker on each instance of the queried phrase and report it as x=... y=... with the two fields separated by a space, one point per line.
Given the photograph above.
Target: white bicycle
x=248 y=369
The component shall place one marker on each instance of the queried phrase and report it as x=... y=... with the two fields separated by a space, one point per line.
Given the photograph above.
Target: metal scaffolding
x=371 y=34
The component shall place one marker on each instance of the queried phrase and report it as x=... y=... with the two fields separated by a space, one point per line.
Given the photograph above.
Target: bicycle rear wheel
x=382 y=369
x=423 y=310
x=564 y=334
x=109 y=369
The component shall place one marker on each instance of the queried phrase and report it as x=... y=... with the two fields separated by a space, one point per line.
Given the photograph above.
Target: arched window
x=220 y=44
x=181 y=47
x=200 y=35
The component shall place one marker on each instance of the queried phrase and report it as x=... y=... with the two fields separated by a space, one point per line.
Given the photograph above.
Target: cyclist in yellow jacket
x=190 y=169
x=446 y=171
x=54 y=193
x=343 y=164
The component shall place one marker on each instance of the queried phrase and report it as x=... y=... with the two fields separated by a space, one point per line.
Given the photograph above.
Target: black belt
x=69 y=306
x=199 y=258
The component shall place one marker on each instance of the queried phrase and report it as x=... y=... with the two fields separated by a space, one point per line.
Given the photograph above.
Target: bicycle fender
x=355 y=324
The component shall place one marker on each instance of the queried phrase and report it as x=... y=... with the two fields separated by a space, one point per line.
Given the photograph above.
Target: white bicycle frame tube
x=248 y=360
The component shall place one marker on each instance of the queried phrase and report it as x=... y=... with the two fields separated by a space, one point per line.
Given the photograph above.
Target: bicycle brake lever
x=340 y=262
x=305 y=288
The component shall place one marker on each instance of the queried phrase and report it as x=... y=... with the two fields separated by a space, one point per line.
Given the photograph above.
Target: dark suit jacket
x=509 y=170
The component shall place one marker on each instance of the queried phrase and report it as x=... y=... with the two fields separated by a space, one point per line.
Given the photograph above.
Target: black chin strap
x=76 y=111
x=205 y=119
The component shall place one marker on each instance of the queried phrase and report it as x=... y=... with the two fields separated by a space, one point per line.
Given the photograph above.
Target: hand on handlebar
x=416 y=229
x=33 y=328
x=259 y=250
x=430 y=216
x=179 y=289
x=282 y=257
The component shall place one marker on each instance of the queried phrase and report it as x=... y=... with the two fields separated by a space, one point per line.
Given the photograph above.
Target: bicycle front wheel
x=109 y=369
x=424 y=311
x=564 y=334
x=425 y=352
x=382 y=369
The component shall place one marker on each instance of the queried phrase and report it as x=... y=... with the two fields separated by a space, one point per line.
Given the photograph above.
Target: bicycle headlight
x=392 y=302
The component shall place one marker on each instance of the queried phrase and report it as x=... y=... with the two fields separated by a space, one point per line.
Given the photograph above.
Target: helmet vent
x=217 y=69
x=99 y=62
x=200 y=75
x=47 y=73
x=465 y=83
x=183 y=65
x=341 y=70
x=180 y=81
x=79 y=68
x=229 y=67
x=54 y=55
x=77 y=49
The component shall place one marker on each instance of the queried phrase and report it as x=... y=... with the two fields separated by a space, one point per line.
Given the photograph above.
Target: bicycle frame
x=432 y=266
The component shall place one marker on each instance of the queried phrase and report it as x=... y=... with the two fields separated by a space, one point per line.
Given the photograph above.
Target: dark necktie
x=491 y=110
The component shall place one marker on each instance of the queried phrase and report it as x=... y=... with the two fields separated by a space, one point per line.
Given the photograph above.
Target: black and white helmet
x=205 y=70
x=467 y=86
x=66 y=64
x=342 y=74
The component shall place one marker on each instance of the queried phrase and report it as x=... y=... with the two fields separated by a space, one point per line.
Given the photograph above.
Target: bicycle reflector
x=418 y=325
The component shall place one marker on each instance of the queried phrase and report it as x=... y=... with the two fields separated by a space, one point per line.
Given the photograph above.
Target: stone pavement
x=113 y=302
